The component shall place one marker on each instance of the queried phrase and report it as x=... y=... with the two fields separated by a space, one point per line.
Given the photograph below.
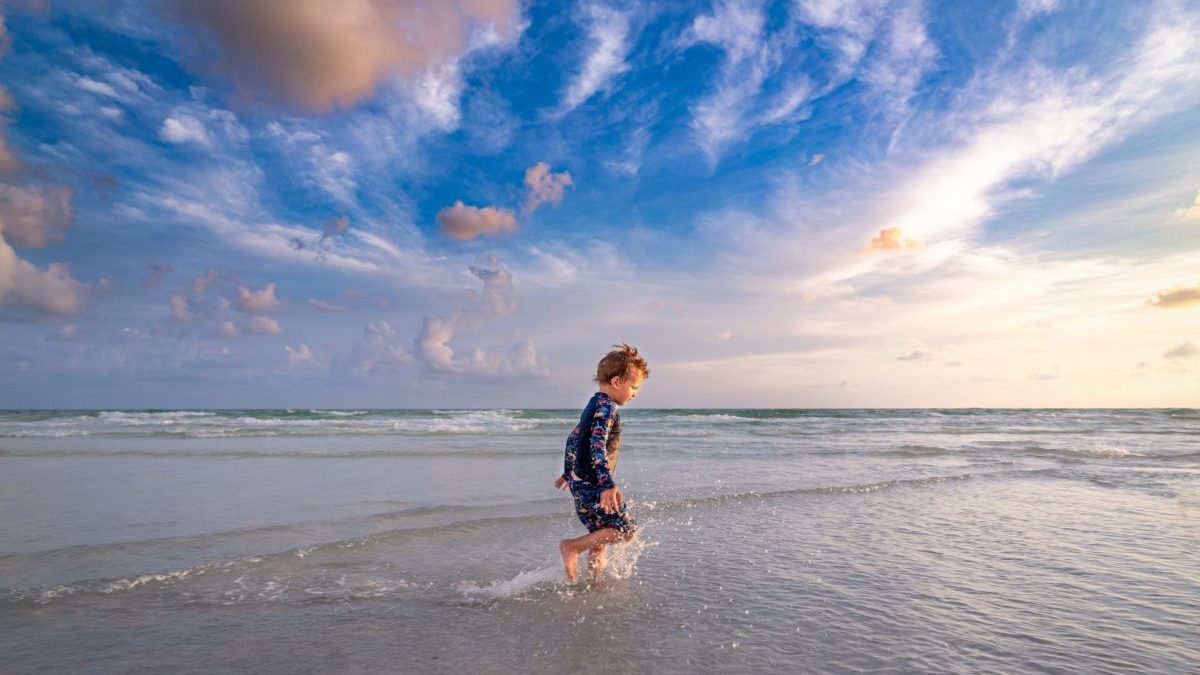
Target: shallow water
x=772 y=541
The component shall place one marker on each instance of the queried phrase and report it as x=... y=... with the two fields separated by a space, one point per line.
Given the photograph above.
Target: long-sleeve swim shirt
x=593 y=445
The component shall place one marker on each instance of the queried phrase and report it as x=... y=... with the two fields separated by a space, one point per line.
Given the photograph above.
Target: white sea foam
x=1106 y=449
x=509 y=588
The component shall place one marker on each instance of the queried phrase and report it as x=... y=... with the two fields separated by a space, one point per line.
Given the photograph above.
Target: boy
x=591 y=457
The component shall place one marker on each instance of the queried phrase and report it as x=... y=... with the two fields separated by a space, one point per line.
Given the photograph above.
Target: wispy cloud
x=738 y=28
x=609 y=42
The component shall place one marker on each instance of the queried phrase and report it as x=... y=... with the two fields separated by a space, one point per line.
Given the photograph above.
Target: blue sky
x=392 y=203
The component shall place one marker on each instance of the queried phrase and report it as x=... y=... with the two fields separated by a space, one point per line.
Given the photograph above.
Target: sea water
x=357 y=541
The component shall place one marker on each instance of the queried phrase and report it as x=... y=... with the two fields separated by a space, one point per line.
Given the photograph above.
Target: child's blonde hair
x=621 y=362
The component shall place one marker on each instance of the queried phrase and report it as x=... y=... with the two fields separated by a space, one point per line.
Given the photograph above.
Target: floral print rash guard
x=602 y=442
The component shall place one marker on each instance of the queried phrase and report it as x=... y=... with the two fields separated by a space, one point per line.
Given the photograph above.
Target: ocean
x=772 y=541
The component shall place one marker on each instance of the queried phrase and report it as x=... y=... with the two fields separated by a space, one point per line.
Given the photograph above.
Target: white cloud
x=184 y=129
x=738 y=28
x=609 y=40
x=380 y=349
x=88 y=84
x=333 y=171
x=437 y=93
x=301 y=356
x=1030 y=8
x=432 y=344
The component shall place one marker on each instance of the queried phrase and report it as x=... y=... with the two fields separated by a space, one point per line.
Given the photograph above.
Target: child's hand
x=611 y=500
x=560 y=483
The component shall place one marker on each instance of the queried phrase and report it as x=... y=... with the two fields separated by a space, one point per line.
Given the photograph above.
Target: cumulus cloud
x=36 y=217
x=467 y=222
x=723 y=336
x=497 y=298
x=201 y=284
x=1186 y=350
x=433 y=347
x=180 y=310
x=227 y=330
x=380 y=349
x=32 y=217
x=258 y=302
x=543 y=187
x=1177 y=296
x=609 y=42
x=892 y=239
x=265 y=325
x=319 y=54
x=299 y=356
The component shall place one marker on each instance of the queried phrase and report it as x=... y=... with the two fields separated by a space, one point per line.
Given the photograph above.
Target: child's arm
x=568 y=460
x=602 y=423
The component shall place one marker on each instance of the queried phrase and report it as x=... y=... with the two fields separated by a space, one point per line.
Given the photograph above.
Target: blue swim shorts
x=587 y=507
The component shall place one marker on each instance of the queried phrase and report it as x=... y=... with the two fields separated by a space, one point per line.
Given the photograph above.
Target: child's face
x=624 y=389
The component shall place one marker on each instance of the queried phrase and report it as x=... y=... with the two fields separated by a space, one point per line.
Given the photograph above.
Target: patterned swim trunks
x=587 y=507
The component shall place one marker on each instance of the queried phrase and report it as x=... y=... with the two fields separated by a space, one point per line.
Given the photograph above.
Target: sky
x=465 y=203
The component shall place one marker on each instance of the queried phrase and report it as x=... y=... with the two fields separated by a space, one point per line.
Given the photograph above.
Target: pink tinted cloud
x=468 y=222
x=1177 y=296
x=258 y=302
x=320 y=55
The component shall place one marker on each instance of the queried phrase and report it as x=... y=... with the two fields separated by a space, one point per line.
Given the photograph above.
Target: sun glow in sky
x=464 y=203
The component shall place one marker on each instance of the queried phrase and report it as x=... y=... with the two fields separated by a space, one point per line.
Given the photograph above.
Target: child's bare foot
x=570 y=559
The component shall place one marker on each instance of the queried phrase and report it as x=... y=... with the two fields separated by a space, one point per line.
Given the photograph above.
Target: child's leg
x=571 y=548
x=596 y=562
